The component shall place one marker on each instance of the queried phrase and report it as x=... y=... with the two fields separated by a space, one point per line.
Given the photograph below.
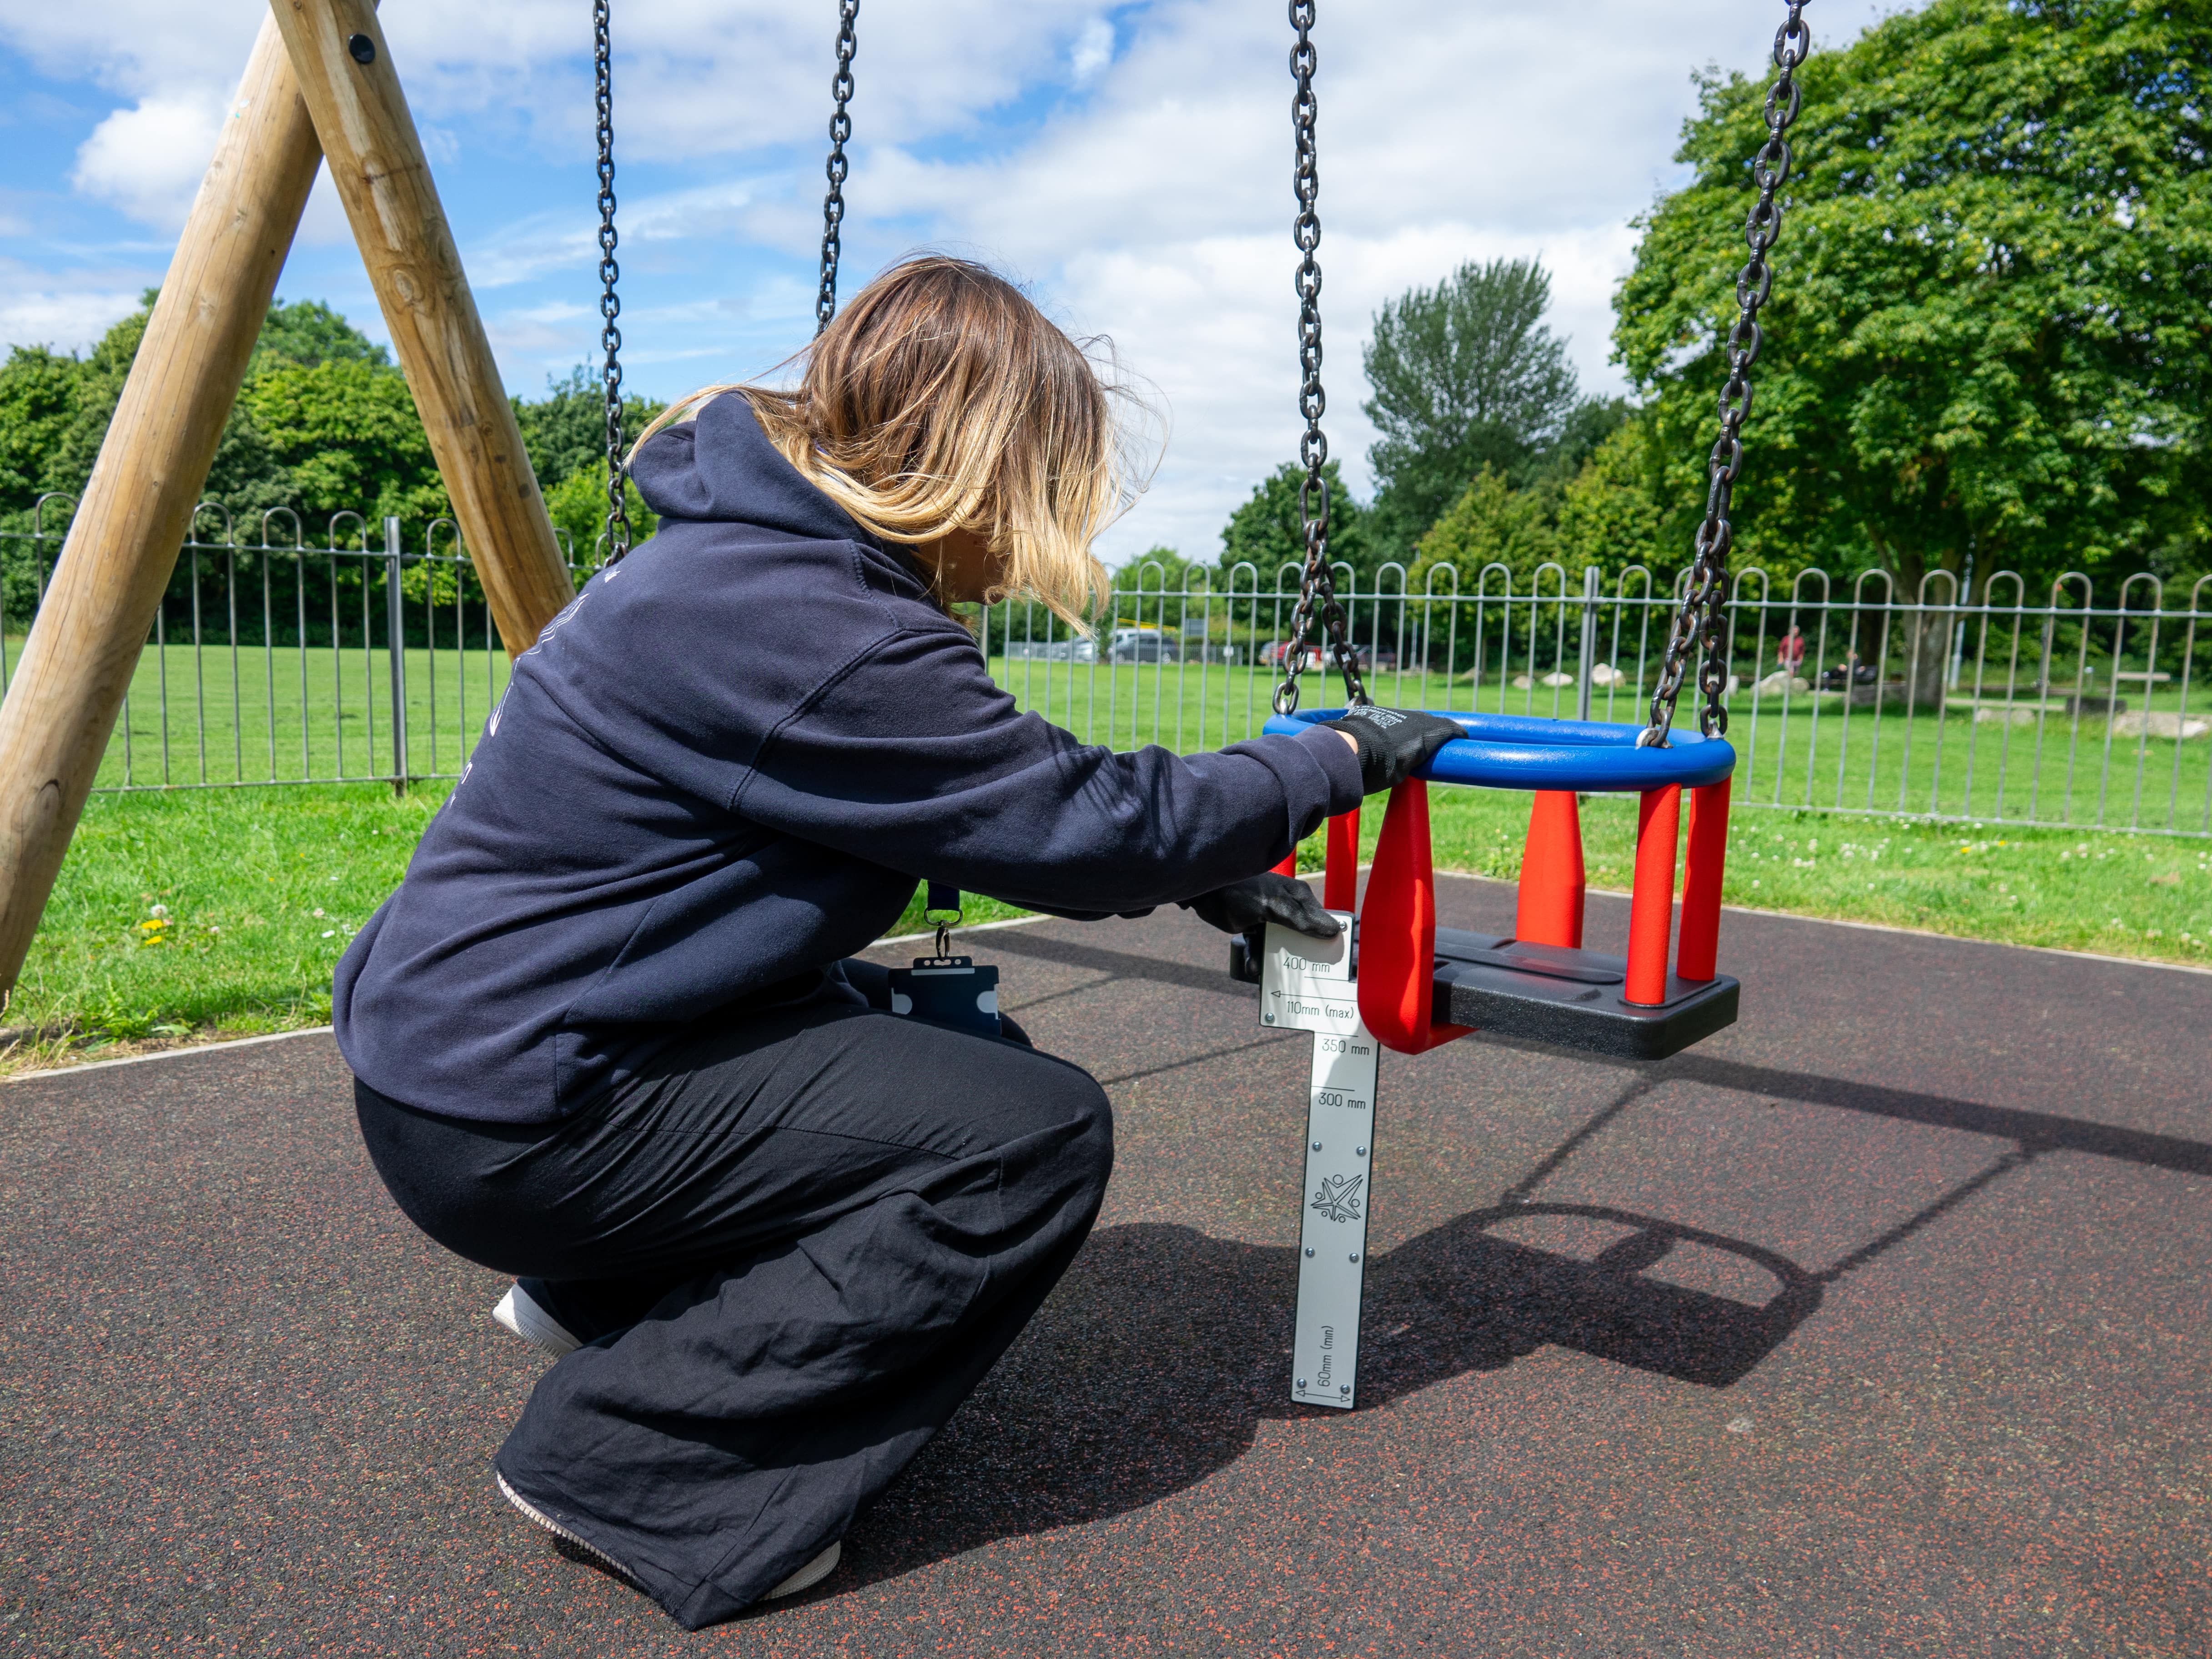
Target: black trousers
x=793 y=1251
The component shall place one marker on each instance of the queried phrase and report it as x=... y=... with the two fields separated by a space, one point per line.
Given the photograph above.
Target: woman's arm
x=914 y=758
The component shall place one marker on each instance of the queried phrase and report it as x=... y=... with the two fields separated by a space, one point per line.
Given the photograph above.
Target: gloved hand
x=1258 y=899
x=1394 y=743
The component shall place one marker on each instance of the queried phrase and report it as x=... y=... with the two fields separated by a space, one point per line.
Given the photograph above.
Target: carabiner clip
x=942 y=902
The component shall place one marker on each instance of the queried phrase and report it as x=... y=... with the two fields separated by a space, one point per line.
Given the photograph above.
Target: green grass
x=213 y=911
x=258 y=890
x=223 y=912
x=1804 y=751
x=2118 y=894
x=253 y=716
x=209 y=715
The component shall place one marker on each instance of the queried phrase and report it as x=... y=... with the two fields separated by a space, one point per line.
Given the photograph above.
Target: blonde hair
x=941 y=398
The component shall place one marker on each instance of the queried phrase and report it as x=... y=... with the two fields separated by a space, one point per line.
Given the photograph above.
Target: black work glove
x=1394 y=743
x=1245 y=905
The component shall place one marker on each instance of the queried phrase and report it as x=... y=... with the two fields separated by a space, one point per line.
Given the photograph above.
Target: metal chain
x=841 y=129
x=610 y=374
x=1698 y=619
x=1316 y=583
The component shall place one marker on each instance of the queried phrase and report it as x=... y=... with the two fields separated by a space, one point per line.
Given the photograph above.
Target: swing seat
x=1421 y=986
x=1570 y=999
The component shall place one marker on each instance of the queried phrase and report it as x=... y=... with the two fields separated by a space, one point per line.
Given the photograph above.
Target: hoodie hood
x=718 y=467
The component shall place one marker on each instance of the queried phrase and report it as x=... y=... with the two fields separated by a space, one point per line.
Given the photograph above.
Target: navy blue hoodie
x=723 y=768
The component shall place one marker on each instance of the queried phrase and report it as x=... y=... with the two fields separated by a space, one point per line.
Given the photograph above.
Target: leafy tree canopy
x=37 y=406
x=325 y=424
x=1608 y=513
x=578 y=506
x=309 y=333
x=1991 y=323
x=347 y=432
x=565 y=432
x=1268 y=531
x=1491 y=524
x=1464 y=376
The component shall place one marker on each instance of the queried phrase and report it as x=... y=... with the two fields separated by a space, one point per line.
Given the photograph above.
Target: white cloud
x=149 y=159
x=1154 y=207
x=1092 y=51
x=36 y=310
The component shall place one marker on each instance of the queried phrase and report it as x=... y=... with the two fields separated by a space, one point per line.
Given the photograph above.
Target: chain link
x=1698 y=619
x=1316 y=584
x=841 y=129
x=610 y=374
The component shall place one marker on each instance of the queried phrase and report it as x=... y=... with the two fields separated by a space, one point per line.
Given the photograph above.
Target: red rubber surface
x=245 y=1409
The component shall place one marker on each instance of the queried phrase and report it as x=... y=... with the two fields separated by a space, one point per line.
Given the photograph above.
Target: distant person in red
x=1790 y=654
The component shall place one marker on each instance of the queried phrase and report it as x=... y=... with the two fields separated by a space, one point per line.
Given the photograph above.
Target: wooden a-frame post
x=320 y=83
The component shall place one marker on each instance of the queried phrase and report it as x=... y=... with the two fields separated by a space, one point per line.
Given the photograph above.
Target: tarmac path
x=1888 y=1338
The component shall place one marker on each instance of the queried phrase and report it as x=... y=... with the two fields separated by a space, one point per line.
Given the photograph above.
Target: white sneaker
x=805 y=1578
x=810 y=1575
x=519 y=1313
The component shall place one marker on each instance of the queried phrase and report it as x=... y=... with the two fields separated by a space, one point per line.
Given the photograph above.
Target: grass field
x=215 y=715
x=210 y=715
x=214 y=913
x=2031 y=761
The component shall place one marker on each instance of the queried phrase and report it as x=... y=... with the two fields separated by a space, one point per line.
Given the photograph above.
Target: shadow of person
x=1154 y=1361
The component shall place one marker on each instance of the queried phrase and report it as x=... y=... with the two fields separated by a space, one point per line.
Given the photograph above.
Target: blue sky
x=1130 y=162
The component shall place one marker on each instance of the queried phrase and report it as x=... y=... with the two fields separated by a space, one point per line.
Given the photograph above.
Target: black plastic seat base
x=1570 y=999
x=1547 y=994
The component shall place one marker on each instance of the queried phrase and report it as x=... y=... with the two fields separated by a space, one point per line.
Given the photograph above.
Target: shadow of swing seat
x=1610 y=1307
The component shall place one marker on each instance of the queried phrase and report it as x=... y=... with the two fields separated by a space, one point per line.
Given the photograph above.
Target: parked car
x=1271 y=653
x=1049 y=650
x=1140 y=645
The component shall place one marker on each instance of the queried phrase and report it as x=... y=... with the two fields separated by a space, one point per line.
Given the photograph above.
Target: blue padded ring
x=1510 y=751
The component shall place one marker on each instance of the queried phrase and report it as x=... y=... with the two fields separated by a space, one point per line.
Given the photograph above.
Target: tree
x=1464 y=376
x=578 y=506
x=55 y=410
x=1268 y=531
x=1991 y=332
x=1491 y=524
x=1585 y=430
x=347 y=432
x=1612 y=514
x=565 y=432
x=246 y=477
x=38 y=405
x=309 y=333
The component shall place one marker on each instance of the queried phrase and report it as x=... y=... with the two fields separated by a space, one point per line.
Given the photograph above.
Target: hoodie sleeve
x=912 y=758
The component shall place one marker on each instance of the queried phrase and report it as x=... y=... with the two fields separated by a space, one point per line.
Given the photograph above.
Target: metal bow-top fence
x=272 y=658
x=361 y=656
x=2056 y=707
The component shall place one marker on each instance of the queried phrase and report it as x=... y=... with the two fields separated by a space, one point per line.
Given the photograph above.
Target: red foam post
x=1398 y=930
x=1289 y=866
x=1551 y=907
x=1651 y=907
x=1698 y=951
x=1340 y=876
